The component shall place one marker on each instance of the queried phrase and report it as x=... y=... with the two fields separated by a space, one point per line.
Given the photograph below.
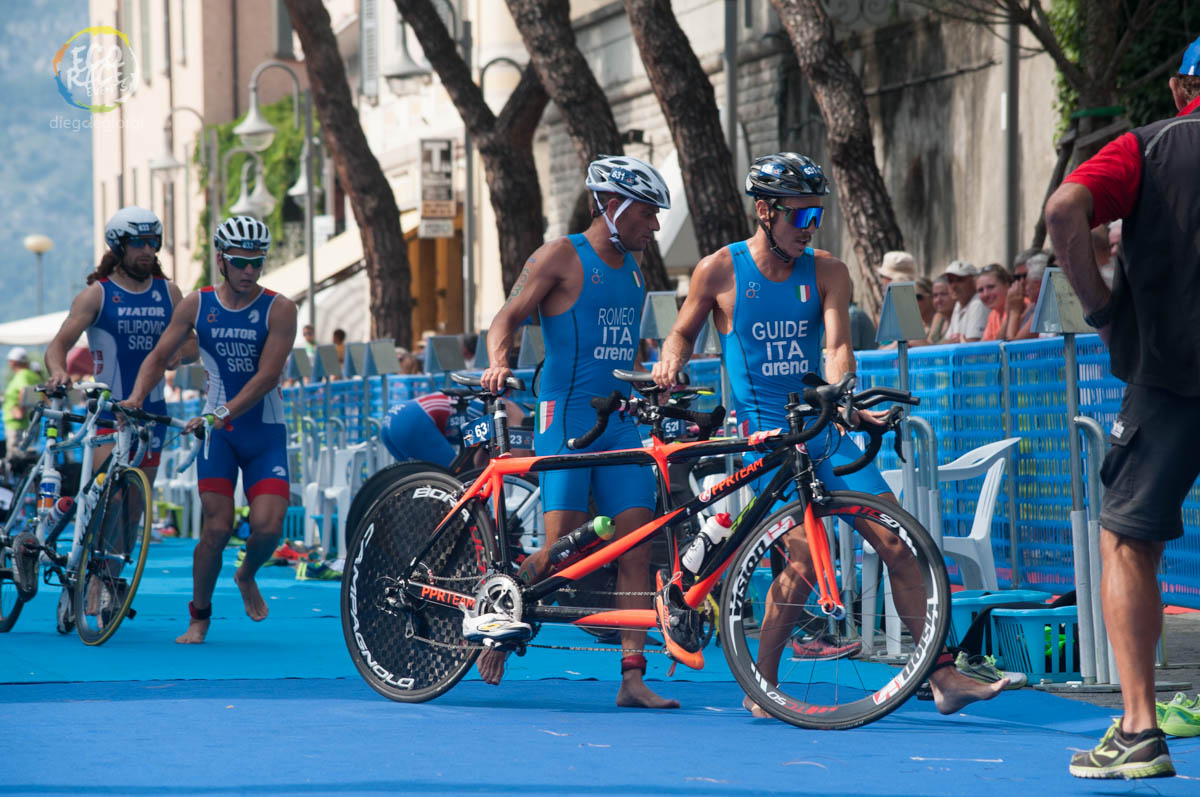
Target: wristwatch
x=221 y=413
x=1100 y=318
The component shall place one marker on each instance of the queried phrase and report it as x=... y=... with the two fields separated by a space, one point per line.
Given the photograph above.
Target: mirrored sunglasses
x=801 y=218
x=241 y=263
x=137 y=242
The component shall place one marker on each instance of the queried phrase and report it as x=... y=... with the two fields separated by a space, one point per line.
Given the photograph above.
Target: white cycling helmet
x=628 y=177
x=129 y=222
x=242 y=232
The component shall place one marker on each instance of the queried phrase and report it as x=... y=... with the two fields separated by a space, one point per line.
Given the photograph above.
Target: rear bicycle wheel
x=824 y=681
x=115 y=546
x=407 y=649
x=378 y=484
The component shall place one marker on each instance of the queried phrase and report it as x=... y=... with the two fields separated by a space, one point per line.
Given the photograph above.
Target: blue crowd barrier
x=962 y=392
x=962 y=395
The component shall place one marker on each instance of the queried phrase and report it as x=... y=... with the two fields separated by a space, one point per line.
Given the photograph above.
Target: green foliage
x=1175 y=24
x=1066 y=20
x=281 y=161
x=1172 y=26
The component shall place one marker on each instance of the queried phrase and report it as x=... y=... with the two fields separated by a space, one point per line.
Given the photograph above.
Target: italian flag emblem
x=802 y=293
x=545 y=416
x=637 y=279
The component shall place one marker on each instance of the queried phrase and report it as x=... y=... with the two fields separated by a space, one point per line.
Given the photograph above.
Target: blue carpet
x=277 y=708
x=544 y=737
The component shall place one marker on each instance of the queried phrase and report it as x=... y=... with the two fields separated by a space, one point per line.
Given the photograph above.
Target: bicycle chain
x=568 y=590
x=440 y=644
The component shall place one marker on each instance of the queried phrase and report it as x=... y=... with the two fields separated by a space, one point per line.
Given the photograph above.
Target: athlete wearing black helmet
x=771 y=297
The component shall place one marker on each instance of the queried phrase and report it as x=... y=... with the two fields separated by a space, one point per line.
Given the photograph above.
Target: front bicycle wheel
x=810 y=668
x=408 y=649
x=114 y=554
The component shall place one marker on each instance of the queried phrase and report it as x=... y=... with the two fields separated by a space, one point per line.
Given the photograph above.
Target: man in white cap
x=15 y=416
x=970 y=315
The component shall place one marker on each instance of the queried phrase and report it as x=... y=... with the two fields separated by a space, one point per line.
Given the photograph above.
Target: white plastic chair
x=972 y=553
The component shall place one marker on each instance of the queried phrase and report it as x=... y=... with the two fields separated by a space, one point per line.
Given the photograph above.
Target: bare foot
x=635 y=694
x=256 y=607
x=952 y=690
x=755 y=708
x=491 y=666
x=197 y=630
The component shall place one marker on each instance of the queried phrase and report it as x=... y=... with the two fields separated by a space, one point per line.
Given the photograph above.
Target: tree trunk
x=505 y=144
x=545 y=27
x=360 y=175
x=686 y=97
x=862 y=194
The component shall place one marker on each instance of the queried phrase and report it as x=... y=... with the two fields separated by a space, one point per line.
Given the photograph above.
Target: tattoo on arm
x=522 y=278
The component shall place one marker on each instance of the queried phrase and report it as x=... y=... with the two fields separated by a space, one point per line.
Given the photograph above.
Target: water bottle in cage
x=715 y=531
x=572 y=546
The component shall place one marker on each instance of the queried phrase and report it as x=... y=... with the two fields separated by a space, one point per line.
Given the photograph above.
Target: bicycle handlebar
x=511 y=382
x=644 y=411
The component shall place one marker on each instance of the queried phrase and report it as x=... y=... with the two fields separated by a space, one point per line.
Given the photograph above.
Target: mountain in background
x=46 y=170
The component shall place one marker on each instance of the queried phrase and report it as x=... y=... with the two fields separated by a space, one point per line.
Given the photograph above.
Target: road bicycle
x=99 y=566
x=426 y=557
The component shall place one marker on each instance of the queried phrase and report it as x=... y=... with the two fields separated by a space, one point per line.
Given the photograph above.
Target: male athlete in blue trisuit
x=245 y=334
x=770 y=297
x=589 y=291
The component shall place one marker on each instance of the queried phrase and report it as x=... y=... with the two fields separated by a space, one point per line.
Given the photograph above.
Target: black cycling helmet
x=785 y=174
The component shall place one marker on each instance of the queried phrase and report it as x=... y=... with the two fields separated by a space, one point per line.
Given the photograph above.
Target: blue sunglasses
x=136 y=242
x=801 y=218
x=241 y=263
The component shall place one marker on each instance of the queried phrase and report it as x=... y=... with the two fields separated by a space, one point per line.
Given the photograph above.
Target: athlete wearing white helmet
x=589 y=290
x=245 y=333
x=124 y=310
x=630 y=179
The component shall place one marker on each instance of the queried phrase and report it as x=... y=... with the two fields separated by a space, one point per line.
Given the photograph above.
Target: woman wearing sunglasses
x=245 y=333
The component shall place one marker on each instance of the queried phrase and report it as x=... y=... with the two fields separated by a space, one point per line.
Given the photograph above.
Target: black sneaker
x=26 y=555
x=1143 y=755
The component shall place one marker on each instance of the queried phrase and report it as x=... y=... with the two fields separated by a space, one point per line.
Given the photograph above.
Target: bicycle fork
x=822 y=559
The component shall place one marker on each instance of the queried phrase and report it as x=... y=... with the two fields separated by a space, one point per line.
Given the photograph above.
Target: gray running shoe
x=983 y=669
x=1143 y=755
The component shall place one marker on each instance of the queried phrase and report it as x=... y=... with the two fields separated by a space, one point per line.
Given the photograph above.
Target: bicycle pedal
x=130 y=613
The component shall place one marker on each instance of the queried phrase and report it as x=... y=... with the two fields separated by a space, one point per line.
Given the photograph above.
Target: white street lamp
x=39 y=245
x=255 y=132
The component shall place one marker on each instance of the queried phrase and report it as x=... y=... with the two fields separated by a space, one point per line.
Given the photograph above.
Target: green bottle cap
x=603 y=526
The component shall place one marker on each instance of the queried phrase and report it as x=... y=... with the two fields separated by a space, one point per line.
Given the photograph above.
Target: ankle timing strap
x=634 y=662
x=199 y=614
x=612 y=227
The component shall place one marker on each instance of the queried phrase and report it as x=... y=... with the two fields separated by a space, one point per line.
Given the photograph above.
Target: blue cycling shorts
x=614 y=488
x=259 y=449
x=827 y=454
x=409 y=433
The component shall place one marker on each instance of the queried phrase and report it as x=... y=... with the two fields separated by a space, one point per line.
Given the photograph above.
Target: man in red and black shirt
x=1150 y=320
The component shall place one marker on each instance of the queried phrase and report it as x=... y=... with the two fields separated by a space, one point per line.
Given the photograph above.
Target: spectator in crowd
x=943 y=306
x=993 y=285
x=468 y=343
x=862 y=328
x=16 y=419
x=410 y=364
x=897 y=267
x=339 y=343
x=970 y=315
x=310 y=340
x=1147 y=177
x=1023 y=295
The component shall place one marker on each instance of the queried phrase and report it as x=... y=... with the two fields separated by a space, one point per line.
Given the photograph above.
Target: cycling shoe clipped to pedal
x=26 y=554
x=681 y=625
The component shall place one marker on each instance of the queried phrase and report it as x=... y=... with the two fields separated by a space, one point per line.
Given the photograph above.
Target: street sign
x=435 y=228
x=437 y=178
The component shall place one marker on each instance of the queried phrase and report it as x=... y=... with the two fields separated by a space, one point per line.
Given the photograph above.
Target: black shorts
x=1152 y=462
